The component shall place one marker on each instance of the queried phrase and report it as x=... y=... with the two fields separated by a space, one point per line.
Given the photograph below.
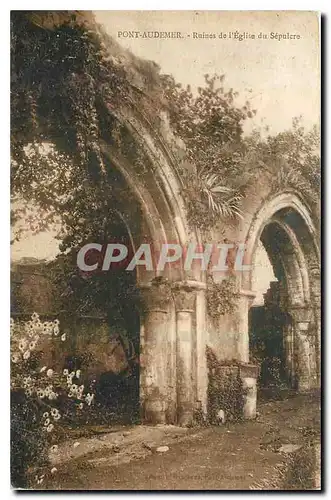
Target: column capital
x=184 y=293
x=301 y=314
x=315 y=271
x=156 y=295
x=249 y=295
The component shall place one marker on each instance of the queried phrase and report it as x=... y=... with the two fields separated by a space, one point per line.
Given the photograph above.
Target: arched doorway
x=267 y=323
x=118 y=387
x=172 y=364
x=284 y=226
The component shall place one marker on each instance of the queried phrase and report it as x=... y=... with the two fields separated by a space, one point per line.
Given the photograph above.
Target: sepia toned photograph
x=165 y=305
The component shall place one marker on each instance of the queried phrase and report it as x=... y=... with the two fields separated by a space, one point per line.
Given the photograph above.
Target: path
x=238 y=456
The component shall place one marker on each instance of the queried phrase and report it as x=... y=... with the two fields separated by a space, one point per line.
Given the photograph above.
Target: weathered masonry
x=175 y=326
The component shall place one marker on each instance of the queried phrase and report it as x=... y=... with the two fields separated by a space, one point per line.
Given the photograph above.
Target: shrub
x=42 y=395
x=225 y=389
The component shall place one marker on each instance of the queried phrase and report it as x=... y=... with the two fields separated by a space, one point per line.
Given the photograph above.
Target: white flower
x=54 y=448
x=28 y=391
x=65 y=372
x=54 y=469
x=74 y=388
x=53 y=395
x=57 y=416
x=81 y=406
x=70 y=394
x=27 y=381
x=47 y=422
x=35 y=316
x=72 y=374
x=80 y=392
x=15 y=358
x=89 y=398
x=46 y=414
x=43 y=369
x=78 y=373
x=22 y=345
x=54 y=411
x=76 y=444
x=49 y=372
x=29 y=327
x=56 y=322
x=63 y=337
x=47 y=328
x=50 y=428
x=39 y=479
x=26 y=355
x=56 y=330
x=32 y=345
x=40 y=393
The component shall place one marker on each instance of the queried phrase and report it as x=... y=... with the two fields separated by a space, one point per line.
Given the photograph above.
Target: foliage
x=292 y=158
x=221 y=297
x=209 y=201
x=224 y=162
x=63 y=85
x=43 y=395
x=225 y=389
x=66 y=91
x=210 y=125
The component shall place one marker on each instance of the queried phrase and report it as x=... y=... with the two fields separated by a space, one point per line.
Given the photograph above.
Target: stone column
x=318 y=344
x=316 y=299
x=184 y=297
x=201 y=343
x=245 y=301
x=156 y=299
x=288 y=348
x=304 y=377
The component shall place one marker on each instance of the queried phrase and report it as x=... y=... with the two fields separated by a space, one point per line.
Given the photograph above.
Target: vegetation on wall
x=210 y=124
x=225 y=389
x=64 y=86
x=221 y=297
x=292 y=159
x=221 y=162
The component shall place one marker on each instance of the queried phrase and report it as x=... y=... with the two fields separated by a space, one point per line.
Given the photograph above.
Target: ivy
x=63 y=87
x=221 y=297
x=225 y=389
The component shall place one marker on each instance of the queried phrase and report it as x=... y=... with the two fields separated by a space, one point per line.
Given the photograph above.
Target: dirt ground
x=239 y=456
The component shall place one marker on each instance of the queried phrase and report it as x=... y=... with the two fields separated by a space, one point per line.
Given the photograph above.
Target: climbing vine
x=225 y=389
x=221 y=297
x=63 y=88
